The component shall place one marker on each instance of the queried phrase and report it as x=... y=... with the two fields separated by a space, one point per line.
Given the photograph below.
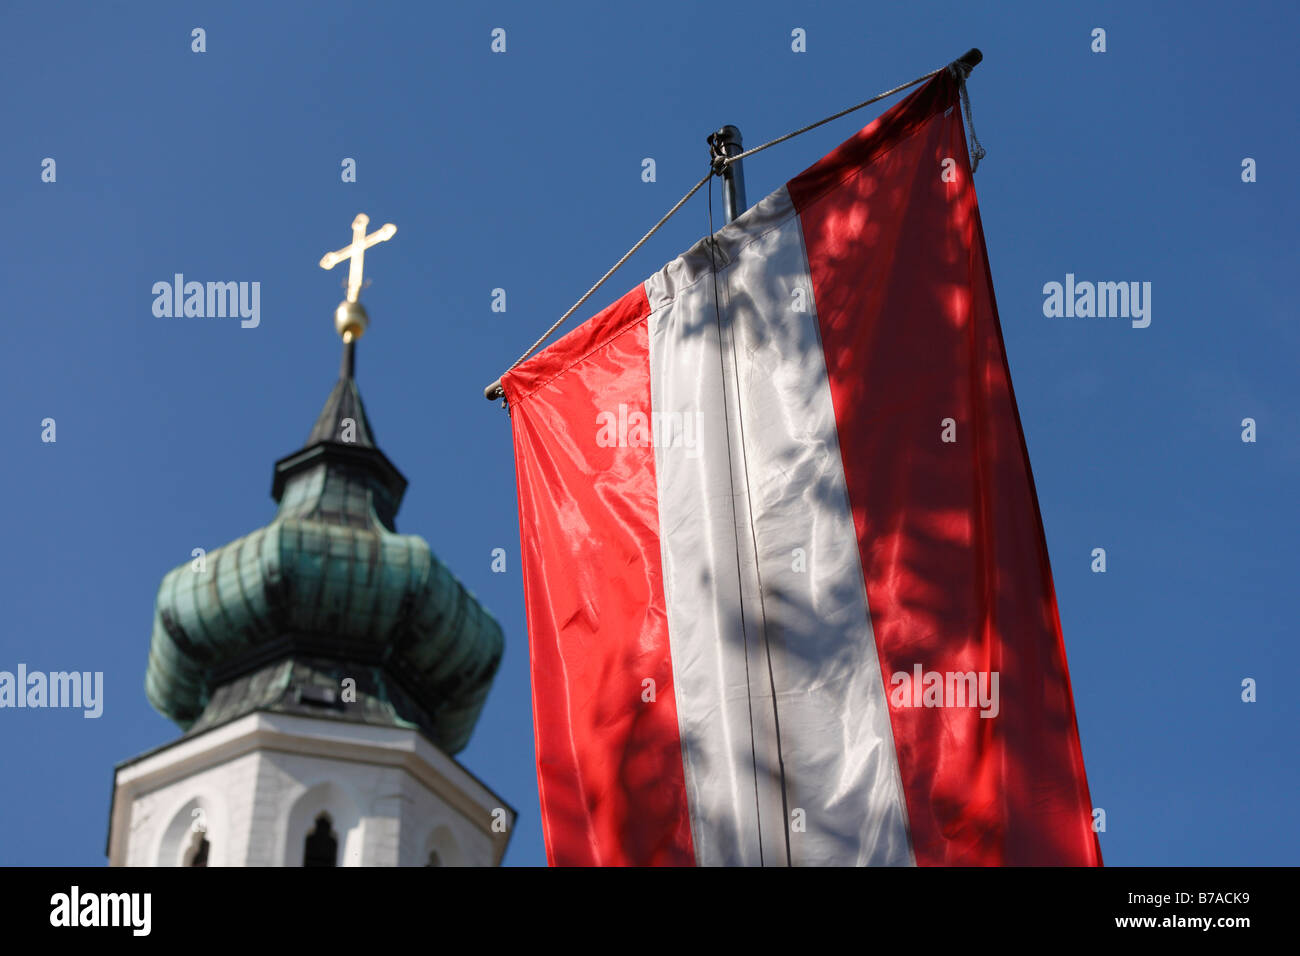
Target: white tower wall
x=255 y=788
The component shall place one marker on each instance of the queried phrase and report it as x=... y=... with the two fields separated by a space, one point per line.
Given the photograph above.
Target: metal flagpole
x=727 y=142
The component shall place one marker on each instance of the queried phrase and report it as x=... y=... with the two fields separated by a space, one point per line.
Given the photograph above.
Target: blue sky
x=522 y=171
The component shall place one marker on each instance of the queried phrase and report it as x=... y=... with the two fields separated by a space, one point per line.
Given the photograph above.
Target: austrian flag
x=787 y=587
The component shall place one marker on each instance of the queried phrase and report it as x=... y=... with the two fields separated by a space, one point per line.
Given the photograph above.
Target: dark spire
x=342 y=442
x=343 y=405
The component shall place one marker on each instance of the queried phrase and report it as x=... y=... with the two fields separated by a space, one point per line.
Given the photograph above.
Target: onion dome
x=282 y=618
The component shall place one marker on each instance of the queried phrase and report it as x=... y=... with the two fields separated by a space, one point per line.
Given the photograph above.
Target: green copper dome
x=280 y=618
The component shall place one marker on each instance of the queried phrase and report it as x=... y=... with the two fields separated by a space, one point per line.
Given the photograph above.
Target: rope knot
x=717 y=154
x=959 y=70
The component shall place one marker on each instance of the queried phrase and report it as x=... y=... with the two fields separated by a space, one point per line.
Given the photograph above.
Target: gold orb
x=351 y=321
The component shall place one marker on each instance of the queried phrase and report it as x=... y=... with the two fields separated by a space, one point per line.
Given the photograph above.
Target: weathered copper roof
x=328 y=590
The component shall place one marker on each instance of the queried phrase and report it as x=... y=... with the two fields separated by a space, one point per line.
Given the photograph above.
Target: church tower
x=324 y=669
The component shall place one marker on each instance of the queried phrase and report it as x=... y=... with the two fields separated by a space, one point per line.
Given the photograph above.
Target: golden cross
x=357 y=251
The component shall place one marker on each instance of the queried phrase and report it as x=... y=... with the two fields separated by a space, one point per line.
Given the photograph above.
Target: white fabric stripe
x=701 y=573
x=840 y=767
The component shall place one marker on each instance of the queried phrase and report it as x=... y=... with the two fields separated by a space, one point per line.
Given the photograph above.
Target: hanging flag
x=787 y=587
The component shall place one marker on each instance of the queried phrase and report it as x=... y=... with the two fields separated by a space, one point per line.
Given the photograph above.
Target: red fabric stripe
x=950 y=535
x=609 y=765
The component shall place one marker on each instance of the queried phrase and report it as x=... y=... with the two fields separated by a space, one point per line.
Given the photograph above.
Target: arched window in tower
x=322 y=845
x=441 y=849
x=197 y=852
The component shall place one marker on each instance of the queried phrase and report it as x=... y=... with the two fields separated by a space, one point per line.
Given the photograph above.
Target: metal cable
x=494 y=390
x=967 y=62
x=875 y=99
